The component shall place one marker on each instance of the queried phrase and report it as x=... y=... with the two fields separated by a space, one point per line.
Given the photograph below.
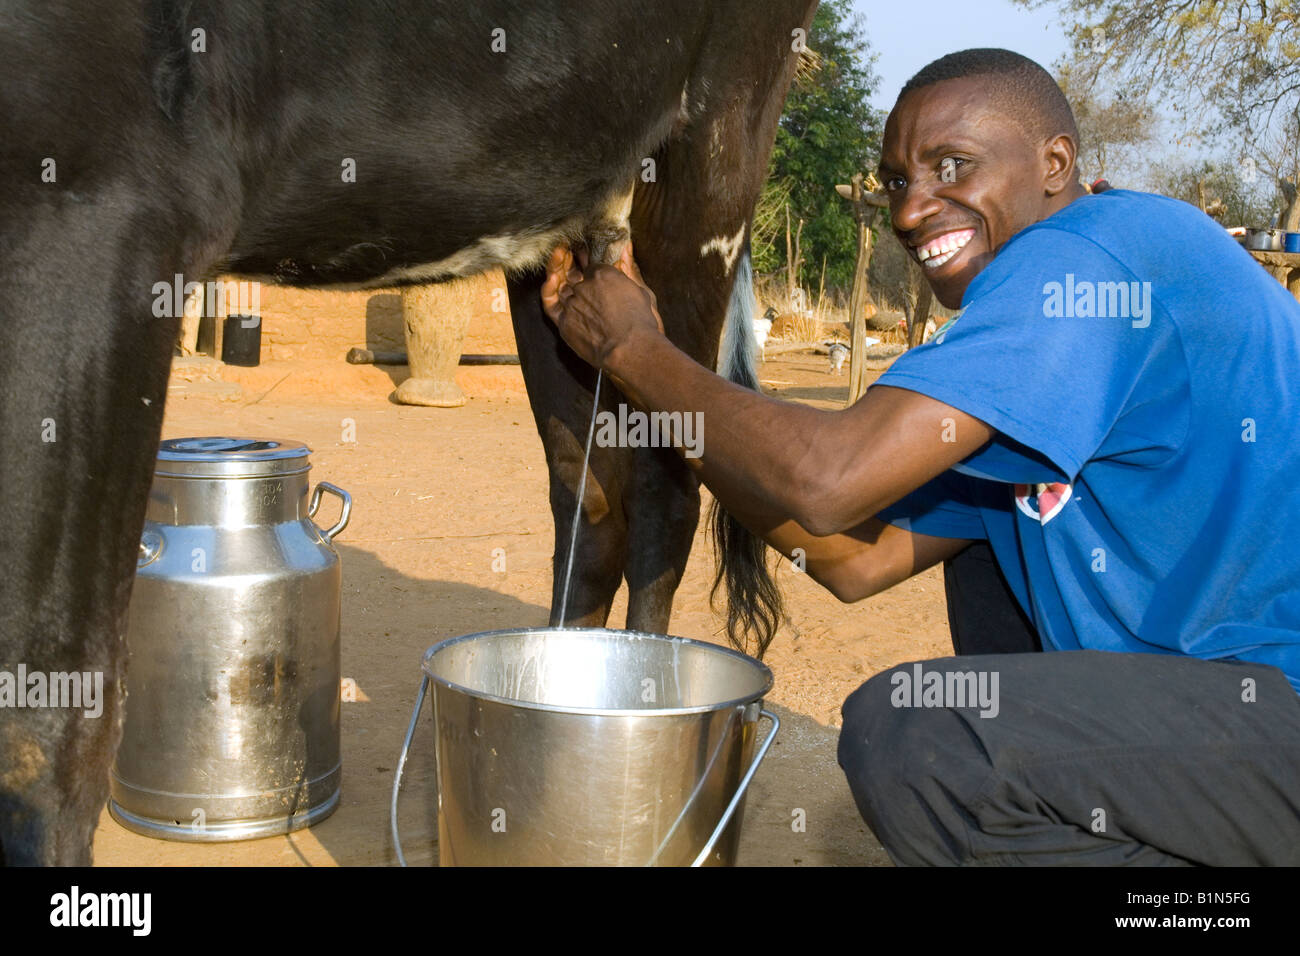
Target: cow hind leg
x=561 y=392
x=664 y=504
x=663 y=508
x=691 y=233
x=84 y=383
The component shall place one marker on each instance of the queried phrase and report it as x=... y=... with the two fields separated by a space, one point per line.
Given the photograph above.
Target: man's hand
x=597 y=309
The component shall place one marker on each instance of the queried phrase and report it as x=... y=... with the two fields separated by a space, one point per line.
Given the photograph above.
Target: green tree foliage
x=828 y=131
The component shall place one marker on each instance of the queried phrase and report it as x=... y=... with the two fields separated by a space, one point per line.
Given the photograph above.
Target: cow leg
x=663 y=502
x=663 y=510
x=648 y=490
x=690 y=228
x=83 y=380
x=560 y=390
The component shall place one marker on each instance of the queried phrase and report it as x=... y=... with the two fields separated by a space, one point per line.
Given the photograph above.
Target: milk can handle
x=740 y=790
x=343 y=496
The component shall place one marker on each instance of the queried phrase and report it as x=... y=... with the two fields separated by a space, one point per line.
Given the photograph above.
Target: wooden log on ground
x=358 y=356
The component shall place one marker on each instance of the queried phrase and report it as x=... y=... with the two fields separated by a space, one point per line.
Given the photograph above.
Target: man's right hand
x=598 y=308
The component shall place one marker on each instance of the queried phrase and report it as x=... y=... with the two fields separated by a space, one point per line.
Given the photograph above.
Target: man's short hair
x=1018 y=85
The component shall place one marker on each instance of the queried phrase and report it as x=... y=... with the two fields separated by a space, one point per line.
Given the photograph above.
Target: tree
x=828 y=132
x=1114 y=129
x=1230 y=71
x=1209 y=182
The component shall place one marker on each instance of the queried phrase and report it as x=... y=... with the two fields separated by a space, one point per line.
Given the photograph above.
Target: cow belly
x=361 y=266
x=513 y=252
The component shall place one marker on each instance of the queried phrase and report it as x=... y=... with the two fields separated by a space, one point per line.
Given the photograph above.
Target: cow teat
x=609 y=231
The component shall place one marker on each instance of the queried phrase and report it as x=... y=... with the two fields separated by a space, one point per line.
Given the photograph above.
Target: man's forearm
x=757 y=455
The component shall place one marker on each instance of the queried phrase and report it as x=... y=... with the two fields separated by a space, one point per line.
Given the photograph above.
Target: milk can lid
x=231 y=457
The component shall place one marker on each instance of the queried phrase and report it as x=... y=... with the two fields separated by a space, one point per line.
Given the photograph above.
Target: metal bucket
x=1264 y=240
x=591 y=747
x=232 y=711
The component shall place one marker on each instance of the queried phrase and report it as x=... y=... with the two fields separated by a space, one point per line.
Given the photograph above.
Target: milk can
x=232 y=711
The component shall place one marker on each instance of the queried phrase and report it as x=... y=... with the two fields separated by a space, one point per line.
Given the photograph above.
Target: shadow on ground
x=798 y=812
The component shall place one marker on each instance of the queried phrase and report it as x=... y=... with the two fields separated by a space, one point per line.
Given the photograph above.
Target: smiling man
x=1090 y=416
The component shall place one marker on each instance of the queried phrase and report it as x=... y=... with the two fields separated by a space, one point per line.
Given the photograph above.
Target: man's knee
x=910 y=768
x=889 y=719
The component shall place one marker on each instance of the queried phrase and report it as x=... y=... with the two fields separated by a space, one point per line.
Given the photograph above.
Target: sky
x=907 y=35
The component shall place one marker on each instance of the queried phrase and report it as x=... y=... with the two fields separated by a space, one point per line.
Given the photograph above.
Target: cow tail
x=754 y=605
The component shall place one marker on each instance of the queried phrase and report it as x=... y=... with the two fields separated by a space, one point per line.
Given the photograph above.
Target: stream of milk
x=577 y=511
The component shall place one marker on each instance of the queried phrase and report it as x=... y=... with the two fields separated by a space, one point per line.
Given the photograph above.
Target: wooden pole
x=866 y=205
x=789 y=253
x=821 y=293
x=921 y=311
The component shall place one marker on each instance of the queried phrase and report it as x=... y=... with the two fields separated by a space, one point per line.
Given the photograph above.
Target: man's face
x=962 y=178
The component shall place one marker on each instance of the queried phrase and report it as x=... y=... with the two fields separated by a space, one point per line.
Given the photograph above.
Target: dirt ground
x=435 y=491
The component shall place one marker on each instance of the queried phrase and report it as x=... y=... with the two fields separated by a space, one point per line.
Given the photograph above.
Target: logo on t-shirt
x=1042 y=502
x=942 y=331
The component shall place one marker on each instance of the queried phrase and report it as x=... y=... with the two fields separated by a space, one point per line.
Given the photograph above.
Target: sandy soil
x=435 y=492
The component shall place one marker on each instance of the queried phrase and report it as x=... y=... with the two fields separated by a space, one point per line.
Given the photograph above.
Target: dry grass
x=798 y=327
x=828 y=320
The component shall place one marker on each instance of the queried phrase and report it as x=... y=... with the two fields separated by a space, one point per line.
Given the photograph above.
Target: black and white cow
x=148 y=138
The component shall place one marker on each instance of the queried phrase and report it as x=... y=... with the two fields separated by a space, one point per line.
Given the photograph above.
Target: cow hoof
x=429 y=391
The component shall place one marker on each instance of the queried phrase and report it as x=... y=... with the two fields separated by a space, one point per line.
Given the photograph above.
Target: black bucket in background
x=241 y=342
x=206 y=343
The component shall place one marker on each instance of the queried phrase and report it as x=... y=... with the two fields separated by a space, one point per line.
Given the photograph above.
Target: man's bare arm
x=771 y=461
x=796 y=476
x=869 y=559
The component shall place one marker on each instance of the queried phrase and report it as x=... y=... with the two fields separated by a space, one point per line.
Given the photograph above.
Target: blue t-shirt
x=1142 y=373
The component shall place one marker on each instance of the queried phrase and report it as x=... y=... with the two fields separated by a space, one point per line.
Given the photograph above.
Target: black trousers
x=1080 y=757
x=983 y=614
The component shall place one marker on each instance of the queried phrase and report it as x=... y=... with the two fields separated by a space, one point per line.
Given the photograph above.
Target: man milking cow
x=1083 y=414
x=361 y=146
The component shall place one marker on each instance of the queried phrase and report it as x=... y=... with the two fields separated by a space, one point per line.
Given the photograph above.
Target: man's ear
x=1058 y=156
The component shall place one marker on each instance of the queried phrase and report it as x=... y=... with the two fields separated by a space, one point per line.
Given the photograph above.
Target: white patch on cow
x=510 y=251
x=728 y=248
x=619 y=207
x=715 y=139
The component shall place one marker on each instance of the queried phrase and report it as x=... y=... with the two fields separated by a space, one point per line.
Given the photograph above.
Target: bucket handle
x=740 y=790
x=401 y=764
x=343 y=496
x=699 y=860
